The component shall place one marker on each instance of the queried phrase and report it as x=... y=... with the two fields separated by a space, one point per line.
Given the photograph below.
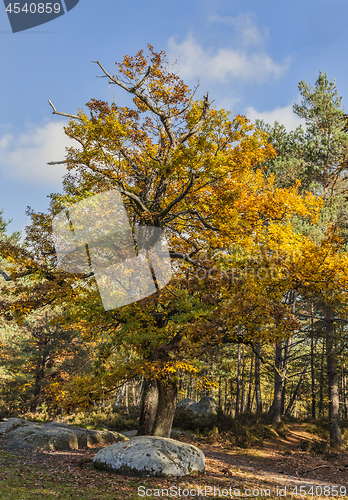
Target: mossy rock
x=150 y=456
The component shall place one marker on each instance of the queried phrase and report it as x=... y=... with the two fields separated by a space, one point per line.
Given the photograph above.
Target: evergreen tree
x=318 y=157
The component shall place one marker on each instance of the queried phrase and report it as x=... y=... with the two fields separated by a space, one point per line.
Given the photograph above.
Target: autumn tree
x=186 y=168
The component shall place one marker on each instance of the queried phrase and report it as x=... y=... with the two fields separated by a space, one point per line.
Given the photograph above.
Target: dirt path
x=279 y=463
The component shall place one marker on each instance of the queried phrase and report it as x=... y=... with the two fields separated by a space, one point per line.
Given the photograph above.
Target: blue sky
x=249 y=55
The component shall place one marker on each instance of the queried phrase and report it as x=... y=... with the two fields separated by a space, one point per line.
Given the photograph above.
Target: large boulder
x=150 y=456
x=184 y=403
x=23 y=434
x=204 y=408
x=8 y=424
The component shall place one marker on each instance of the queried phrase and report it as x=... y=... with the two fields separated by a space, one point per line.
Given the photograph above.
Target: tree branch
x=205 y=224
x=55 y=112
x=135 y=198
x=56 y=162
x=132 y=90
x=200 y=122
x=132 y=163
x=6 y=276
x=183 y=256
x=178 y=198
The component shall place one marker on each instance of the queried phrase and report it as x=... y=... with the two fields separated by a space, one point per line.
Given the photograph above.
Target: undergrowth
x=111 y=418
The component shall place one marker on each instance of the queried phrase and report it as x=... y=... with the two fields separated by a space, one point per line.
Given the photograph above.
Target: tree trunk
x=334 y=406
x=344 y=391
x=321 y=382
x=312 y=378
x=167 y=396
x=219 y=393
x=189 y=391
x=39 y=377
x=134 y=399
x=312 y=361
x=126 y=398
x=257 y=380
x=140 y=392
x=242 y=400
x=296 y=391
x=149 y=404
x=278 y=385
x=285 y=370
x=120 y=394
x=238 y=380
x=248 y=408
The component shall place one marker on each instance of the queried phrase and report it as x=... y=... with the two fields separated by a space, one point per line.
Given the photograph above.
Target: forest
x=256 y=224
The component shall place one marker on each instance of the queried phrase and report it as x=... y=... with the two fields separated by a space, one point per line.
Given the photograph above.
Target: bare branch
x=133 y=90
x=132 y=163
x=178 y=198
x=141 y=81
x=135 y=198
x=56 y=162
x=205 y=223
x=200 y=122
x=166 y=120
x=186 y=258
x=6 y=276
x=55 y=112
x=172 y=217
x=22 y=275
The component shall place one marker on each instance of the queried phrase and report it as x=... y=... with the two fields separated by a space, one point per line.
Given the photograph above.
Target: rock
x=129 y=434
x=104 y=437
x=10 y=423
x=204 y=408
x=184 y=403
x=173 y=434
x=23 y=434
x=150 y=456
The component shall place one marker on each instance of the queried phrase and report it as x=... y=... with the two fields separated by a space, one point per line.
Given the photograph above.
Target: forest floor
x=284 y=465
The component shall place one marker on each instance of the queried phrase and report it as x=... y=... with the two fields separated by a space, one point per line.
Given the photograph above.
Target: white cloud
x=24 y=156
x=227 y=103
x=244 y=26
x=222 y=64
x=285 y=116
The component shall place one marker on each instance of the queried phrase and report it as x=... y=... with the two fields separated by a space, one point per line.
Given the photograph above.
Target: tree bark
x=344 y=391
x=167 y=397
x=149 y=405
x=242 y=400
x=257 y=380
x=334 y=406
x=278 y=385
x=39 y=378
x=296 y=391
x=285 y=370
x=238 y=381
x=313 y=378
x=321 y=382
x=248 y=408
x=312 y=361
